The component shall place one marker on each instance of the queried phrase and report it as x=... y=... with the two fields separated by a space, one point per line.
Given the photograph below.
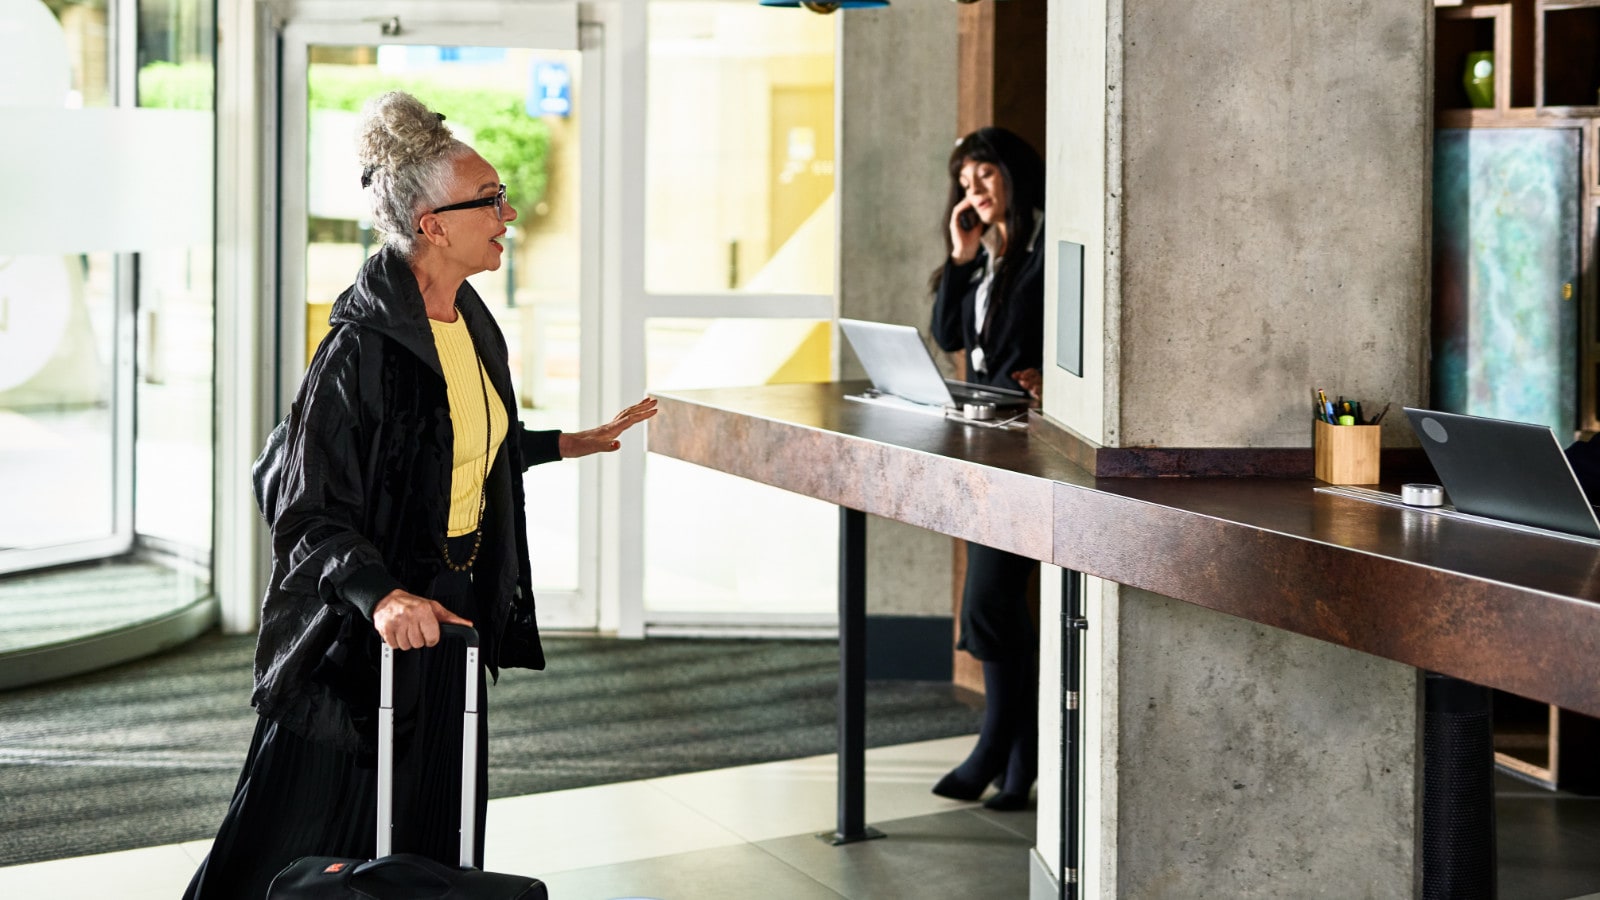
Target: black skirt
x=996 y=625
x=298 y=798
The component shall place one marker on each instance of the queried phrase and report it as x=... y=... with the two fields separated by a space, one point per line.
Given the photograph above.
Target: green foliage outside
x=500 y=128
x=515 y=143
x=165 y=85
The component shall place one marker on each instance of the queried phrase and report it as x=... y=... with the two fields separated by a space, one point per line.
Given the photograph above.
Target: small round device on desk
x=978 y=412
x=1421 y=495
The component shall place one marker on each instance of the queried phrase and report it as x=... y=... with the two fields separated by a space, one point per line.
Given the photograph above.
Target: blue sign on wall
x=418 y=56
x=550 y=90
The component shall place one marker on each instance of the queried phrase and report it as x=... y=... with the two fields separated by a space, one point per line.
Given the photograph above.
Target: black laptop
x=1504 y=470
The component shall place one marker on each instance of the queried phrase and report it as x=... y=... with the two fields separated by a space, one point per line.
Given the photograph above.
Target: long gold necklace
x=483 y=489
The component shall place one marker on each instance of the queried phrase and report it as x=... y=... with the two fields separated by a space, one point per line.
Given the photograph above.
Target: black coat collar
x=386 y=298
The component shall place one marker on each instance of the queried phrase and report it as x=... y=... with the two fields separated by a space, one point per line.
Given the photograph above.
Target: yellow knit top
x=462 y=371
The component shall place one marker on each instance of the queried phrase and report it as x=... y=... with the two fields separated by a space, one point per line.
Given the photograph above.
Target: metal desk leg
x=852 y=825
x=1073 y=625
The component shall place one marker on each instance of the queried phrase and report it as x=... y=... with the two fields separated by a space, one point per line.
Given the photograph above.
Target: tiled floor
x=1548 y=842
x=736 y=833
x=749 y=832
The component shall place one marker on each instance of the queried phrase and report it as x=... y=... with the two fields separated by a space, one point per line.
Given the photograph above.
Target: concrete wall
x=1250 y=183
x=1266 y=189
x=1275 y=215
x=897 y=115
x=1082 y=206
x=1260 y=763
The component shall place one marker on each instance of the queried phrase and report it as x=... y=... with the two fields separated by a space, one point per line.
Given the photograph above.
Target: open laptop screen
x=897 y=361
x=1505 y=470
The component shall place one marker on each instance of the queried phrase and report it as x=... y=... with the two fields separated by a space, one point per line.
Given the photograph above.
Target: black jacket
x=355 y=486
x=1014 y=339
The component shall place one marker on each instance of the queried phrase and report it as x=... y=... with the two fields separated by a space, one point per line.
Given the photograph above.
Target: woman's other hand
x=964 y=240
x=408 y=622
x=1032 y=382
x=604 y=439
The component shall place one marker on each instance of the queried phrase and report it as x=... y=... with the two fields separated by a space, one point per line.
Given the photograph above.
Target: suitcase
x=407 y=876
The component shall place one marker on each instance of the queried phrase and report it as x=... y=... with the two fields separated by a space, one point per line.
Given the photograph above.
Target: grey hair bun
x=406 y=152
x=398 y=132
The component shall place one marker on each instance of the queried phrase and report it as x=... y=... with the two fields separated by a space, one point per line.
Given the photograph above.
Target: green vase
x=1478 y=78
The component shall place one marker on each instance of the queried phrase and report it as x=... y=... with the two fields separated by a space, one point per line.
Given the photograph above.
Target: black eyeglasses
x=498 y=201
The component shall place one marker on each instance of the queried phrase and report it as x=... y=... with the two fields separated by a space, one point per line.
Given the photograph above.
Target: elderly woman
x=395 y=503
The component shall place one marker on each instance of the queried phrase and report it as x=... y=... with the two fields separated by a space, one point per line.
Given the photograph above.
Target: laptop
x=1505 y=470
x=899 y=365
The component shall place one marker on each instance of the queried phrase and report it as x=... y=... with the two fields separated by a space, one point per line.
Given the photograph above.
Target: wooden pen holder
x=1347 y=454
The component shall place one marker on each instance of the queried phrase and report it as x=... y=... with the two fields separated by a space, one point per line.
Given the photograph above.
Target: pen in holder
x=1347 y=454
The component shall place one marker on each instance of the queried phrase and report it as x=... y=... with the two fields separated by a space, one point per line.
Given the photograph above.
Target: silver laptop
x=899 y=364
x=1505 y=470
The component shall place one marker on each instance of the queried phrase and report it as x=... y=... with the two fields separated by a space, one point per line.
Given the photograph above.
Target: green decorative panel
x=1505 y=291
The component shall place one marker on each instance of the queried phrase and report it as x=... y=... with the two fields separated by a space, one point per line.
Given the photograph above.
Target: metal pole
x=852 y=681
x=1073 y=624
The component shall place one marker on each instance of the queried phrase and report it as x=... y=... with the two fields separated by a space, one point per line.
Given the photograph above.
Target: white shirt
x=980 y=303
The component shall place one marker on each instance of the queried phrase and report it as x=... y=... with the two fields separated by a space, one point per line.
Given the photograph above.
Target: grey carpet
x=147 y=753
x=69 y=602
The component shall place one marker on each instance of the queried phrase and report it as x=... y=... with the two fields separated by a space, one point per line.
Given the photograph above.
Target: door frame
x=284 y=124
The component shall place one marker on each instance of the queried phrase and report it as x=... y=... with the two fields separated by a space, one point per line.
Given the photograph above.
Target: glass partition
x=740 y=244
x=740 y=170
x=722 y=547
x=106 y=301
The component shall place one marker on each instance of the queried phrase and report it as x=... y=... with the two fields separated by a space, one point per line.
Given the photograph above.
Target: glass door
x=66 y=306
x=106 y=336
x=531 y=108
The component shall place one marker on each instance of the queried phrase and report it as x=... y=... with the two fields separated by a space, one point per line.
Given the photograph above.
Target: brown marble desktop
x=906 y=466
x=1511 y=610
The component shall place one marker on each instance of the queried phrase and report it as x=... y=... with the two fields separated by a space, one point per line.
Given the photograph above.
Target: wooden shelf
x=1485 y=118
x=1568 y=112
x=1547 y=75
x=1566 y=58
x=1546 y=55
x=1523 y=738
x=1545 y=744
x=1474 y=28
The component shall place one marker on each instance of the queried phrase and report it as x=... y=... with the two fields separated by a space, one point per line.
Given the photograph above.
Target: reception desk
x=1502 y=608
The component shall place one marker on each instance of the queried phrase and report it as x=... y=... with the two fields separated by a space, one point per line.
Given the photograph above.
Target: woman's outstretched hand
x=604 y=439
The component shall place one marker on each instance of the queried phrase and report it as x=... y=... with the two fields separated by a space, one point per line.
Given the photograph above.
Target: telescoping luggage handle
x=469 y=747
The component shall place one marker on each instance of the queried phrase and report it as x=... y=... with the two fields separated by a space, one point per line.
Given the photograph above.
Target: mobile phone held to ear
x=967 y=220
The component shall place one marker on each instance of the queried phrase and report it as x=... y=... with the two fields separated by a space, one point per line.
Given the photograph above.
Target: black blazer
x=1014 y=339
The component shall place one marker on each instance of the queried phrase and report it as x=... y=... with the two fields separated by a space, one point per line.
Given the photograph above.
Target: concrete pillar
x=1249 y=183
x=897 y=121
x=1255 y=762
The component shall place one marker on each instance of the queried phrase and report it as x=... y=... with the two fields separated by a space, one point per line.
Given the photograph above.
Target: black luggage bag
x=407 y=876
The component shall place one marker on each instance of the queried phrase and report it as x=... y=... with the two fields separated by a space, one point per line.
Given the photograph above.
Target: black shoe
x=1007 y=801
x=954 y=787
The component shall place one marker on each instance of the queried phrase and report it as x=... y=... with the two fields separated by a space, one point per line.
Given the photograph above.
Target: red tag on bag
x=334 y=868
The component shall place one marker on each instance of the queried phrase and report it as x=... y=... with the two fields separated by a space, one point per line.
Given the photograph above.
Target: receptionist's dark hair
x=1021 y=169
